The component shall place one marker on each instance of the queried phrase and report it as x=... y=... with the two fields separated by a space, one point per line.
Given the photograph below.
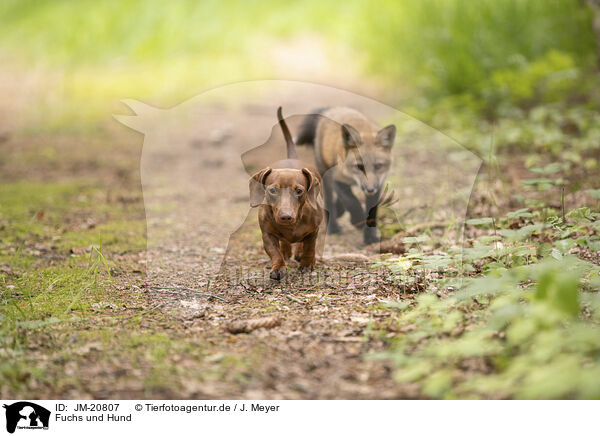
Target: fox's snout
x=370 y=189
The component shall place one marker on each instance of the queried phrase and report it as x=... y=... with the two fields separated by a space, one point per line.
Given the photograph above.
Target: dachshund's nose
x=286 y=217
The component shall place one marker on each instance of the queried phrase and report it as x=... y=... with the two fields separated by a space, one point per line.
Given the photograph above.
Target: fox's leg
x=351 y=203
x=330 y=204
x=370 y=232
x=339 y=207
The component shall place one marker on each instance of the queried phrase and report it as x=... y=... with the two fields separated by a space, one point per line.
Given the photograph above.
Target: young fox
x=349 y=150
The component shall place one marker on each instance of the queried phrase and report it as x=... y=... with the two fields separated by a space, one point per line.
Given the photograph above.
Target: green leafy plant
x=519 y=318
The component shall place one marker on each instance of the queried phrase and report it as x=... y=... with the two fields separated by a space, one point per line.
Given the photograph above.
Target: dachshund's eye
x=273 y=191
x=360 y=167
x=299 y=191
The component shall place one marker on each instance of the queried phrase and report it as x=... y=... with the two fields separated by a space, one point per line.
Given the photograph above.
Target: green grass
x=40 y=298
x=453 y=46
x=46 y=292
x=55 y=213
x=118 y=235
x=41 y=289
x=40 y=301
x=31 y=210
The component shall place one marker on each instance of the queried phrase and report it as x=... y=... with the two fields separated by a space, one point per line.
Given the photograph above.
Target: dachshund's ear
x=257 y=187
x=310 y=178
x=313 y=186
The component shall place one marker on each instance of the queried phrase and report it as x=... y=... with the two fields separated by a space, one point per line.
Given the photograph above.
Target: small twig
x=296 y=299
x=195 y=291
x=413 y=209
x=428 y=225
x=246 y=287
x=207 y=295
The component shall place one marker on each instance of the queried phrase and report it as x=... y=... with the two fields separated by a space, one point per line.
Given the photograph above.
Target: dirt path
x=319 y=345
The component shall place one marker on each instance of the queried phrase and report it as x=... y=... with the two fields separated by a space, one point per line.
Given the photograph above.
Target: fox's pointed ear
x=350 y=136
x=144 y=115
x=257 y=187
x=386 y=136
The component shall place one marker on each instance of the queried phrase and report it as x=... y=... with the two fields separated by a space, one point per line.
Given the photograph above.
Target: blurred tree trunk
x=594 y=5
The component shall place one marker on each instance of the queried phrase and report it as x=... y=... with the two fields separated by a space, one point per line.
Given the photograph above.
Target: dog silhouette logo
x=198 y=156
x=26 y=415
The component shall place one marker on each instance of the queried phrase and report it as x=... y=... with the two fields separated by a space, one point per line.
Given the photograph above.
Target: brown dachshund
x=291 y=211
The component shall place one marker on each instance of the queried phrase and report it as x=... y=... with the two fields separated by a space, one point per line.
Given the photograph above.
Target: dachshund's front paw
x=307 y=265
x=305 y=269
x=277 y=274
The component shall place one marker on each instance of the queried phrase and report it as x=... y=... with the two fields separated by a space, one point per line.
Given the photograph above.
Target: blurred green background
x=80 y=58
